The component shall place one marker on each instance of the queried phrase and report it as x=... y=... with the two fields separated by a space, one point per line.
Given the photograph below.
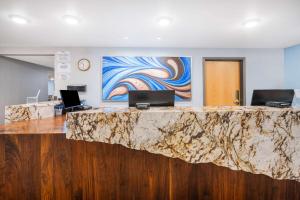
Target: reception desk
x=259 y=140
x=161 y=153
x=30 y=111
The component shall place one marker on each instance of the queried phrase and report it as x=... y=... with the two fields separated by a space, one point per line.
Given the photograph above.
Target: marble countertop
x=187 y=109
x=39 y=104
x=51 y=125
x=259 y=140
x=29 y=111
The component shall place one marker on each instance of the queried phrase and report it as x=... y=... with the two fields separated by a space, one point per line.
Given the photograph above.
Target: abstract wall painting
x=123 y=73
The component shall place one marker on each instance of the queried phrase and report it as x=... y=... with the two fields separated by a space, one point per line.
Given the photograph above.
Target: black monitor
x=70 y=98
x=154 y=98
x=261 y=97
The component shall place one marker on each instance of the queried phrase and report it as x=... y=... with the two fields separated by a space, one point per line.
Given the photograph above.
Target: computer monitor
x=70 y=98
x=261 y=97
x=154 y=98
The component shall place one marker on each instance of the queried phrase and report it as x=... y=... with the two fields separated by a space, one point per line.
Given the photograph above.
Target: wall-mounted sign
x=62 y=57
x=63 y=65
x=63 y=68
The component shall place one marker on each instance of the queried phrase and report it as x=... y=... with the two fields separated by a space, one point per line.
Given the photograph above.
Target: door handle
x=237 y=98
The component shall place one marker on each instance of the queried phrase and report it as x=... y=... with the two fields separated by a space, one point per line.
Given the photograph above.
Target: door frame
x=242 y=75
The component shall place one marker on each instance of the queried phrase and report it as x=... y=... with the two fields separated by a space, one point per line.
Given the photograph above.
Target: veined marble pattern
x=29 y=111
x=259 y=140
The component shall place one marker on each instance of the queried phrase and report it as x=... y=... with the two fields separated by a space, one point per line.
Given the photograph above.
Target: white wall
x=292 y=67
x=20 y=79
x=264 y=68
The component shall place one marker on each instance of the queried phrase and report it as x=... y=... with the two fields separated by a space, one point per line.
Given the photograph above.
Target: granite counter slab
x=30 y=111
x=259 y=140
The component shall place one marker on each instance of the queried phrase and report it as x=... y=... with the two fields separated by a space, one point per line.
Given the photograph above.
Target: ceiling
x=195 y=23
x=47 y=61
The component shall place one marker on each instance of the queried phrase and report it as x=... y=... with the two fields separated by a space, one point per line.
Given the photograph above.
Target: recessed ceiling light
x=18 y=19
x=125 y=38
x=158 y=38
x=250 y=23
x=164 y=21
x=69 y=19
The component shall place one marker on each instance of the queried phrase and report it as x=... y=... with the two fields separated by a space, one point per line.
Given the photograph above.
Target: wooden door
x=222 y=83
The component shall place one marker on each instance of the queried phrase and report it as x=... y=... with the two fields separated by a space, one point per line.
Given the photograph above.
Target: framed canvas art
x=123 y=73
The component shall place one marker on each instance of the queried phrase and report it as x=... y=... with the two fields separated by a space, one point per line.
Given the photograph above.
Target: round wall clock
x=84 y=64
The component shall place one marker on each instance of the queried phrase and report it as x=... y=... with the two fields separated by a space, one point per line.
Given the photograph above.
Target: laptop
x=272 y=97
x=71 y=100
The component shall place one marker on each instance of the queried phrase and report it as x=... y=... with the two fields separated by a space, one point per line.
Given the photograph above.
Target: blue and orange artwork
x=122 y=73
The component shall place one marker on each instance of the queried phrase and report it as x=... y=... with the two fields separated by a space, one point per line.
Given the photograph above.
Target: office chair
x=33 y=99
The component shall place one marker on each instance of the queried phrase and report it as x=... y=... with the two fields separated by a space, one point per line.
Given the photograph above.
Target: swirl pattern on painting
x=121 y=74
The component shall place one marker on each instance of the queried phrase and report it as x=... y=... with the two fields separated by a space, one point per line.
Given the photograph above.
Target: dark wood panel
x=21 y=167
x=47 y=166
